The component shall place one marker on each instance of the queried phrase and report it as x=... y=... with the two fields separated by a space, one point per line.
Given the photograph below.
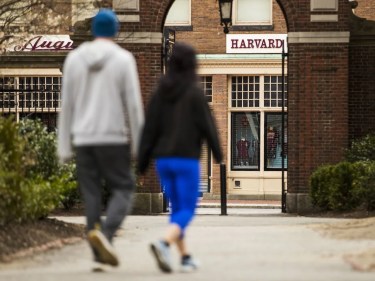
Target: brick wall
x=318 y=78
x=362 y=90
x=317 y=109
x=362 y=71
x=365 y=9
x=208 y=36
x=149 y=69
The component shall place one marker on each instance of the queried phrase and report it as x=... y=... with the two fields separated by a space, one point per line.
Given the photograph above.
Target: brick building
x=242 y=79
x=329 y=89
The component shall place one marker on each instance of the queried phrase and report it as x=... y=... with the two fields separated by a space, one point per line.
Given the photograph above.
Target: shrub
x=332 y=187
x=16 y=158
x=66 y=183
x=40 y=199
x=342 y=194
x=43 y=144
x=15 y=155
x=344 y=186
x=320 y=181
x=365 y=184
x=362 y=149
x=32 y=183
x=62 y=177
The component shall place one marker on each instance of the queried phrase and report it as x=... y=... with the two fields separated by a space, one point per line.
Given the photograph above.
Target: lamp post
x=225 y=7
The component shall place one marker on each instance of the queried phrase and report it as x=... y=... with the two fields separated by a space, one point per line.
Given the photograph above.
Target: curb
x=240 y=206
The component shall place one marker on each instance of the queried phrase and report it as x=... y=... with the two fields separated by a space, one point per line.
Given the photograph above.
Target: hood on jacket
x=174 y=88
x=96 y=53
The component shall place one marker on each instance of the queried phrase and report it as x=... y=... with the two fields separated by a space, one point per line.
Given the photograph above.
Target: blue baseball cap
x=105 y=24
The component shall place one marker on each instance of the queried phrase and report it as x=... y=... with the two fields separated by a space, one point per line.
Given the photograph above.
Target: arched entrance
x=241 y=76
x=318 y=40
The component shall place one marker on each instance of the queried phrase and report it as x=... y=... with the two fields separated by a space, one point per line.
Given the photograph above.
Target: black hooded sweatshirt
x=178 y=119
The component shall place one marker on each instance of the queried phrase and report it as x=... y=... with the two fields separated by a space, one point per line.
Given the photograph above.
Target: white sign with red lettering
x=256 y=43
x=43 y=43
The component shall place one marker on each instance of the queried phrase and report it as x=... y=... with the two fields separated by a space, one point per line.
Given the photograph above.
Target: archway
x=253 y=164
x=318 y=39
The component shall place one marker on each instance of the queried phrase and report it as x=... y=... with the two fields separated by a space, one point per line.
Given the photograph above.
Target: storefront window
x=260 y=100
x=273 y=142
x=245 y=141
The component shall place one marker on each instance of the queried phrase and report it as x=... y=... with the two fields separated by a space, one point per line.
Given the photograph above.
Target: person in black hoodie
x=178 y=119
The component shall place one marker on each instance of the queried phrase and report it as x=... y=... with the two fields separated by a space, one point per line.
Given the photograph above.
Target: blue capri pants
x=180 y=178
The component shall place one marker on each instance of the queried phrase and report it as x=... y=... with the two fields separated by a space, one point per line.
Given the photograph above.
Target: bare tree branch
x=21 y=18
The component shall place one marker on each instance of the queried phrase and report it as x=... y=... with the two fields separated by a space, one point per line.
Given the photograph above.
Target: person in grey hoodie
x=100 y=91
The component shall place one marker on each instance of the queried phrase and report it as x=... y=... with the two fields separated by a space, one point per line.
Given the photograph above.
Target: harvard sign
x=256 y=43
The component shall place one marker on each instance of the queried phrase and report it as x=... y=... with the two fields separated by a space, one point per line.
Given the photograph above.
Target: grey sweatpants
x=111 y=164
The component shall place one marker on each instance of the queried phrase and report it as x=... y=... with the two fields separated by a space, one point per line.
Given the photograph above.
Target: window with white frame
x=256 y=103
x=205 y=157
x=274 y=150
x=125 y=5
x=39 y=92
x=179 y=14
x=252 y=12
x=245 y=91
x=273 y=91
x=206 y=83
x=32 y=97
x=245 y=137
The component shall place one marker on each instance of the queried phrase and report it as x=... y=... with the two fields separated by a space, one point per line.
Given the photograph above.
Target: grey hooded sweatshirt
x=100 y=90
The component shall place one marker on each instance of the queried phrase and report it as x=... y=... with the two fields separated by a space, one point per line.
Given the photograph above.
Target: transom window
x=273 y=91
x=179 y=14
x=245 y=91
x=252 y=12
x=257 y=91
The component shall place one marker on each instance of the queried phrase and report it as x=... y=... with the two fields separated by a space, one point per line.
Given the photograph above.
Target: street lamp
x=225 y=7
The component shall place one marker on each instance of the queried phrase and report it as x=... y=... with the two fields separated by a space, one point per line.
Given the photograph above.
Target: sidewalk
x=257 y=246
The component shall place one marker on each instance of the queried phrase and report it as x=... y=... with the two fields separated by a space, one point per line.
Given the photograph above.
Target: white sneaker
x=162 y=256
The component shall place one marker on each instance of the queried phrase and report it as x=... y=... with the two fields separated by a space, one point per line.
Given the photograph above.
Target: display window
x=245 y=140
x=256 y=123
x=273 y=147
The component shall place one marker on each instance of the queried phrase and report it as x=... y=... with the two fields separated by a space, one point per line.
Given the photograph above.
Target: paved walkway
x=248 y=244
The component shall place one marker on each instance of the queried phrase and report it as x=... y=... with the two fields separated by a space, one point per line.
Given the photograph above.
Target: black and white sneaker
x=188 y=264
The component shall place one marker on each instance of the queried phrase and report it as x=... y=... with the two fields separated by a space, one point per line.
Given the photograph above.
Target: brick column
x=317 y=108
